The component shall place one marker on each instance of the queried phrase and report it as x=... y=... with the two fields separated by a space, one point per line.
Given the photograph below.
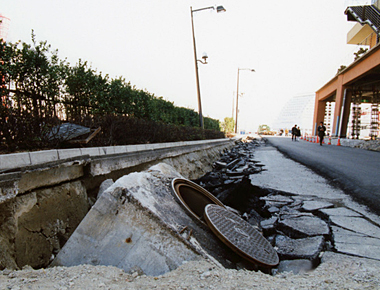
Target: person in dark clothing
x=294 y=133
x=321 y=132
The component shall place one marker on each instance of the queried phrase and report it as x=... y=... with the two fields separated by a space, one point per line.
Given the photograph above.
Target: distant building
x=298 y=110
x=355 y=89
x=4 y=27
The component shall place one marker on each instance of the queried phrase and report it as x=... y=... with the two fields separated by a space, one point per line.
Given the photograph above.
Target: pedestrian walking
x=294 y=133
x=321 y=130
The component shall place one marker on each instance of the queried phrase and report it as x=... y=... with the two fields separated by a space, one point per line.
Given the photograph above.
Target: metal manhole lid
x=240 y=236
x=193 y=197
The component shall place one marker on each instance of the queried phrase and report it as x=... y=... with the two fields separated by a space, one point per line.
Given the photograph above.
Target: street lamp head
x=220 y=8
x=250 y=69
x=205 y=57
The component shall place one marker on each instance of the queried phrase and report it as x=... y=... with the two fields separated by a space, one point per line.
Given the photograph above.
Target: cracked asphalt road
x=356 y=171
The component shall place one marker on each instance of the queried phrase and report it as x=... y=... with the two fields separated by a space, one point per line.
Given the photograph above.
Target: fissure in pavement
x=300 y=228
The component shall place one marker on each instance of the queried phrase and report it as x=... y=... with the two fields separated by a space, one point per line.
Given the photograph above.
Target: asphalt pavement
x=356 y=171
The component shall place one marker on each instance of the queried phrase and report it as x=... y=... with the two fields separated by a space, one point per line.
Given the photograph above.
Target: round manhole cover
x=240 y=236
x=193 y=197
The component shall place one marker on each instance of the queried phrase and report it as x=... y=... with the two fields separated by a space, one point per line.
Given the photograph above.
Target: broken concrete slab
x=104 y=186
x=138 y=222
x=303 y=226
x=357 y=224
x=278 y=198
x=273 y=209
x=219 y=164
x=274 y=203
x=297 y=204
x=268 y=225
x=352 y=243
x=282 y=169
x=307 y=248
x=340 y=211
x=295 y=266
x=313 y=205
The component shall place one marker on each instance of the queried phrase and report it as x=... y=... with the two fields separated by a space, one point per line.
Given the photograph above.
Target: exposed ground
x=336 y=272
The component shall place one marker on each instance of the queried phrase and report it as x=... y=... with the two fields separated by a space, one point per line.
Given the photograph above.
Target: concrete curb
x=17 y=160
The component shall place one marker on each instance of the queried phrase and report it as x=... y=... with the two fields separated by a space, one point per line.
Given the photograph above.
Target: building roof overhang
x=364 y=72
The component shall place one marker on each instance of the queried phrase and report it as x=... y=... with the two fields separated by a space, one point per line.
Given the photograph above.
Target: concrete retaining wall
x=19 y=160
x=23 y=172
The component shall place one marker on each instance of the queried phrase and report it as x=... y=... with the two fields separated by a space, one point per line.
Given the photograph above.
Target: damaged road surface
x=296 y=209
x=353 y=229
x=140 y=225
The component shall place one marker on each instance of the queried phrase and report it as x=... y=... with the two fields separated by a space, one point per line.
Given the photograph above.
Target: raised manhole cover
x=193 y=197
x=240 y=236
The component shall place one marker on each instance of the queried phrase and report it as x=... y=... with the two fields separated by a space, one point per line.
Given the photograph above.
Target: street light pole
x=218 y=9
x=196 y=74
x=237 y=96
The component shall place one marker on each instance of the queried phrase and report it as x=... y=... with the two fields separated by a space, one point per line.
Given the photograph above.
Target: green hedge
x=39 y=91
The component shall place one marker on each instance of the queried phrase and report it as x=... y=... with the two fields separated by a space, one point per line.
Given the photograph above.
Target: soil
x=336 y=272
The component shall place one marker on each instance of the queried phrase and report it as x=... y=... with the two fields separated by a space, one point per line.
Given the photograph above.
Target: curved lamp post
x=237 y=96
x=204 y=57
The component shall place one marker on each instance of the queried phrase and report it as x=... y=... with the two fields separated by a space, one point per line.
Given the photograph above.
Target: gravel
x=336 y=272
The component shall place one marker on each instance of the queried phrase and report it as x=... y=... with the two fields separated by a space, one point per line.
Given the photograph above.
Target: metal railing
x=367 y=14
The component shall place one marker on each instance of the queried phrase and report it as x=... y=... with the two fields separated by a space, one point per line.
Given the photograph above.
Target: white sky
x=295 y=47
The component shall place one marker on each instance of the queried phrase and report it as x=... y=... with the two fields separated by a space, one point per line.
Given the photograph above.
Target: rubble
x=313 y=205
x=298 y=266
x=299 y=226
x=303 y=226
x=138 y=223
x=138 y=217
x=357 y=244
x=306 y=248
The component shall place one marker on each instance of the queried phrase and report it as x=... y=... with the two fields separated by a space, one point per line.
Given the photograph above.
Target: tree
x=228 y=125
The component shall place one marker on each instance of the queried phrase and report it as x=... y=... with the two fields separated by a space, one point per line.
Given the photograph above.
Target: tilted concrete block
x=137 y=223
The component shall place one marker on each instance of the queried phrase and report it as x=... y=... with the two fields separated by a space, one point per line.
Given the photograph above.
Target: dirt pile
x=337 y=272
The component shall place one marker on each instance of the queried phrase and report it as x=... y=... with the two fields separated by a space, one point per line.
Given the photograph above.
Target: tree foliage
x=228 y=125
x=39 y=90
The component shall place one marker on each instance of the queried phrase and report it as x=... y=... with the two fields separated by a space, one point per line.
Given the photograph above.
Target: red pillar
x=339 y=102
x=319 y=113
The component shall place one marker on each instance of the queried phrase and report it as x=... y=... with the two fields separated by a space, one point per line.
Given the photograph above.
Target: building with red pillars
x=355 y=90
